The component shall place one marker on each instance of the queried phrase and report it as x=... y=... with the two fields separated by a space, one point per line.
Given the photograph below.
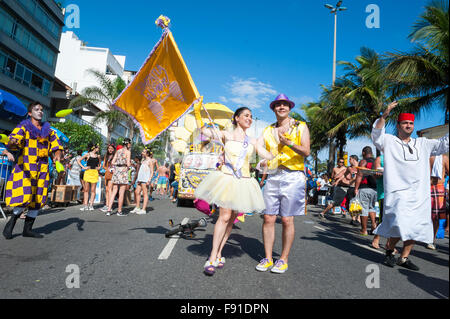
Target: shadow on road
x=236 y=246
x=60 y=224
x=434 y=286
x=346 y=244
x=153 y=230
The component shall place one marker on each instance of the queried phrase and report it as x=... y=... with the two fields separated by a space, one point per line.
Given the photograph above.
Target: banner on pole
x=161 y=92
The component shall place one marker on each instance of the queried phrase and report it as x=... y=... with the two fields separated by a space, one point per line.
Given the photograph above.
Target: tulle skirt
x=241 y=195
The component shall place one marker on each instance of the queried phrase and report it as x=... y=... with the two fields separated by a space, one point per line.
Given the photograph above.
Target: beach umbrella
x=12 y=104
x=220 y=114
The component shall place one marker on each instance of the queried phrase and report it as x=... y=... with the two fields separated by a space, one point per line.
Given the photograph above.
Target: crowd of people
x=125 y=178
x=402 y=192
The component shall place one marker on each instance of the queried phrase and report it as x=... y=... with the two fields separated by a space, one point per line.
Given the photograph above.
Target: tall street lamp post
x=335 y=11
x=332 y=147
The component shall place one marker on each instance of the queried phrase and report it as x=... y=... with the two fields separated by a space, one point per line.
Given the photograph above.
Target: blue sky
x=246 y=52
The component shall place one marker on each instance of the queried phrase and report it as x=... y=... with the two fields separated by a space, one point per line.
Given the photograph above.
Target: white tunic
x=407 y=199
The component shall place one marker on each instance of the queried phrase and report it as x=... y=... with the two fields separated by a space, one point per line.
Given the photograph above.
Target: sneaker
x=141 y=212
x=264 y=265
x=431 y=246
x=108 y=213
x=280 y=267
x=104 y=209
x=405 y=262
x=91 y=207
x=121 y=214
x=135 y=210
x=84 y=208
x=390 y=259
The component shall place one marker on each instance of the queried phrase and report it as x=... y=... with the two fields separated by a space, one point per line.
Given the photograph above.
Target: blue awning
x=60 y=135
x=12 y=104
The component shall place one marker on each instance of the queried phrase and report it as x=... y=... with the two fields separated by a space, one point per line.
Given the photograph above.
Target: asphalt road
x=120 y=257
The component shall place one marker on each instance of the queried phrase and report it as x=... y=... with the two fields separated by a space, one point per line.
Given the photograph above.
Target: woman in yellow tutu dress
x=231 y=188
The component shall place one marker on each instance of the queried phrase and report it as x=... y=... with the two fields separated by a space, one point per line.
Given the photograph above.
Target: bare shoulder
x=227 y=135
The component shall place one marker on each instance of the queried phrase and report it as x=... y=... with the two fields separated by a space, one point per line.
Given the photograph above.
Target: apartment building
x=76 y=57
x=30 y=32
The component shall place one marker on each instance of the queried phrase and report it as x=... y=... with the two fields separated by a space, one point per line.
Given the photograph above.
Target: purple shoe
x=209 y=268
x=220 y=262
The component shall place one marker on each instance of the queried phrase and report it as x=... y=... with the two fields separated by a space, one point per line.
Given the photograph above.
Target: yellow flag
x=161 y=92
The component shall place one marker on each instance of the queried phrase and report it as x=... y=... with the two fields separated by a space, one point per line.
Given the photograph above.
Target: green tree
x=422 y=75
x=317 y=128
x=104 y=94
x=80 y=136
x=359 y=96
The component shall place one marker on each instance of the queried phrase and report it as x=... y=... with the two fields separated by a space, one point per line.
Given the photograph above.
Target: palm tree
x=317 y=128
x=107 y=91
x=422 y=75
x=359 y=96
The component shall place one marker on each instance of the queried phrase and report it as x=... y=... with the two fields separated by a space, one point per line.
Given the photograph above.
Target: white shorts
x=285 y=193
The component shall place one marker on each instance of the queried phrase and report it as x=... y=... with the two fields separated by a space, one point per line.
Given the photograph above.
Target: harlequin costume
x=27 y=186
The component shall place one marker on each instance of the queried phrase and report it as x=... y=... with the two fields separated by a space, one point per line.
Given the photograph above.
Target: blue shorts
x=162 y=180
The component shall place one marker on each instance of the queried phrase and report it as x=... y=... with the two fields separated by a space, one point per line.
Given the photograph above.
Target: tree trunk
x=316 y=163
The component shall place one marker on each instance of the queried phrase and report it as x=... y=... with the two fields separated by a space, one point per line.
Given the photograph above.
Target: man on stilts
x=27 y=186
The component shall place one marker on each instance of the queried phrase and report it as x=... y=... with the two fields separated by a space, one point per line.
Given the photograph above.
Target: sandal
x=363 y=234
x=209 y=268
x=220 y=262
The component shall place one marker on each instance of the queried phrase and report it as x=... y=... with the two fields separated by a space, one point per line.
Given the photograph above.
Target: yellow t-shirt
x=177 y=171
x=285 y=156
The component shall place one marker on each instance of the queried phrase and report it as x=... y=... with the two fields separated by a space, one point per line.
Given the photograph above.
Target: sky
x=244 y=53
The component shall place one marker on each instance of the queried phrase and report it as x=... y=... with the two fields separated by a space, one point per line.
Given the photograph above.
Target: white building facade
x=75 y=58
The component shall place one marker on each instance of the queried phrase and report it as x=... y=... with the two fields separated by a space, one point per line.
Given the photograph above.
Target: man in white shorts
x=285 y=189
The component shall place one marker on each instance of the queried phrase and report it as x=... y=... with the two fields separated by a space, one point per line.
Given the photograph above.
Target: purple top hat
x=282 y=97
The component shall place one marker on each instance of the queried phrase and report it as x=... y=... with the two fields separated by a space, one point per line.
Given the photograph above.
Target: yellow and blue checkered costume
x=28 y=183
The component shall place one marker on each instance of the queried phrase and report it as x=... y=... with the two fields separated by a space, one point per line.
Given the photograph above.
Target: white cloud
x=249 y=92
x=223 y=99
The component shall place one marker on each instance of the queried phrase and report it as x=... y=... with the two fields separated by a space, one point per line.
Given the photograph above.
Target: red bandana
x=406 y=117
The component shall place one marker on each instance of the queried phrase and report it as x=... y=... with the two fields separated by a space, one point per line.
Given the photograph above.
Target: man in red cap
x=407 y=202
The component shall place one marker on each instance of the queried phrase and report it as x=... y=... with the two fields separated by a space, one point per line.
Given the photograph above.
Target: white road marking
x=170 y=245
x=359 y=245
